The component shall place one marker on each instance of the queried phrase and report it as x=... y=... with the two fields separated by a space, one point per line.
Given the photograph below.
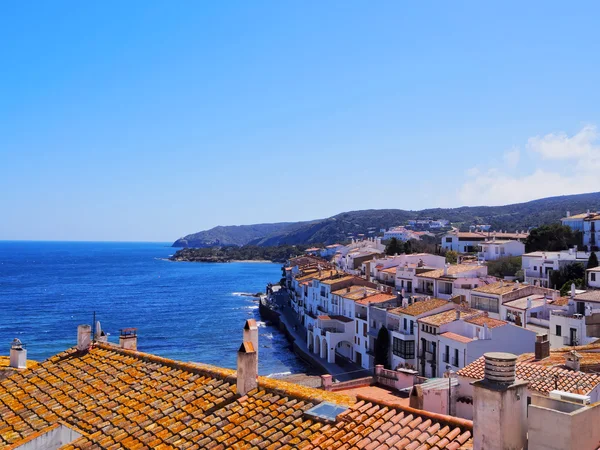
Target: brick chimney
x=499 y=405
x=247 y=365
x=84 y=337
x=251 y=334
x=18 y=355
x=542 y=347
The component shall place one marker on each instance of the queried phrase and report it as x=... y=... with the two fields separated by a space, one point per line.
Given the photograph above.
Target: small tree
x=451 y=257
x=394 y=247
x=592 y=261
x=382 y=348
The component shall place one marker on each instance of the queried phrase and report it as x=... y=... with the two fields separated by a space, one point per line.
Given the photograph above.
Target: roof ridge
x=463 y=424
x=230 y=375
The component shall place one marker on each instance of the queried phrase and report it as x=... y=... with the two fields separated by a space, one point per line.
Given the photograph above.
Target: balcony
x=321 y=309
x=310 y=328
x=421 y=290
x=570 y=342
x=309 y=313
x=362 y=316
x=402 y=331
x=454 y=361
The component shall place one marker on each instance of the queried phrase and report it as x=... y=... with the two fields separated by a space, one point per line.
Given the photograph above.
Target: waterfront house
x=402 y=327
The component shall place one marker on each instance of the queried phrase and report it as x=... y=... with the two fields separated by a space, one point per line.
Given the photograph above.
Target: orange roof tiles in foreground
x=421 y=307
x=122 y=399
x=542 y=379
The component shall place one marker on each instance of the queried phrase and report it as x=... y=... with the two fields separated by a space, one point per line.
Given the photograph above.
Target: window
x=323 y=293
x=364 y=329
x=558 y=330
x=534 y=267
x=455 y=359
x=448 y=239
x=403 y=349
x=405 y=323
x=485 y=303
x=447 y=354
x=412 y=329
x=592 y=276
x=356 y=322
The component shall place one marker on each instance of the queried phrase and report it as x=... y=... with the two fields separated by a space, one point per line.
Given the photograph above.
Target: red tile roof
x=542 y=379
x=377 y=298
x=456 y=337
x=121 y=399
x=482 y=320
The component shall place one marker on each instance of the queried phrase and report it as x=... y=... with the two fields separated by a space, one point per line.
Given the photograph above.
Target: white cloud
x=512 y=157
x=499 y=185
x=561 y=146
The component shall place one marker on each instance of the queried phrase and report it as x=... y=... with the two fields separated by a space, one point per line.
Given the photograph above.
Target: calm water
x=184 y=311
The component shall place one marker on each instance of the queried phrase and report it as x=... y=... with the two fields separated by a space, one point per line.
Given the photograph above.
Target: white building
x=593 y=277
x=496 y=249
x=402 y=325
x=538 y=266
x=452 y=280
x=453 y=339
x=589 y=224
x=579 y=322
x=470 y=241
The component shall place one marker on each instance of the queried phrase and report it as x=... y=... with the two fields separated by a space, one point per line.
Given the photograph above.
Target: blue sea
x=185 y=311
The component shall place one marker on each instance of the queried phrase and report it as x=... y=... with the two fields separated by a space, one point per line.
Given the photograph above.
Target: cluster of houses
x=442 y=319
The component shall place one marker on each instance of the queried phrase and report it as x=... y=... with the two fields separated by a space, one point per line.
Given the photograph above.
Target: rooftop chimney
x=573 y=293
x=128 y=338
x=457 y=314
x=446 y=269
x=529 y=303
x=499 y=405
x=251 y=334
x=542 y=347
x=247 y=365
x=18 y=355
x=84 y=337
x=573 y=360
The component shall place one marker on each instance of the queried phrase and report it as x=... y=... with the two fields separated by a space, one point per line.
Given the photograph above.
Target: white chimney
x=457 y=314
x=446 y=269
x=18 y=355
x=573 y=293
x=128 y=338
x=84 y=337
x=247 y=364
x=528 y=302
x=499 y=405
x=251 y=334
x=485 y=330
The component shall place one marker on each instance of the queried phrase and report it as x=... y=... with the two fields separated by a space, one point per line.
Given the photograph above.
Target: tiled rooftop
x=456 y=337
x=421 y=307
x=448 y=316
x=482 y=320
x=499 y=288
x=125 y=399
x=521 y=303
x=589 y=362
x=541 y=378
x=391 y=270
x=591 y=295
x=377 y=298
x=452 y=270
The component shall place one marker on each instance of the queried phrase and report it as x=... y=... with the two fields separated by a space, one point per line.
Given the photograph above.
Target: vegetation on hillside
x=246 y=253
x=342 y=227
x=567 y=275
x=552 y=238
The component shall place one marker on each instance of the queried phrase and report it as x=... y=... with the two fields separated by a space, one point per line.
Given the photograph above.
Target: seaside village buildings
x=475 y=362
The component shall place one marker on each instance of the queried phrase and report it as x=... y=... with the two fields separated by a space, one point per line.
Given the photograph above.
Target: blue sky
x=147 y=120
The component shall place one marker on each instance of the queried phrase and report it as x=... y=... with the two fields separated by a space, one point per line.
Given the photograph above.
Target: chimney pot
x=500 y=367
x=542 y=347
x=18 y=355
x=128 y=339
x=458 y=314
x=247 y=368
x=251 y=334
x=84 y=337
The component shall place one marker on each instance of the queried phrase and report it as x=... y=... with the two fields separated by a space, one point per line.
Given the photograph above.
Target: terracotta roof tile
x=124 y=399
x=448 y=316
x=456 y=337
x=482 y=320
x=542 y=379
x=452 y=270
x=421 y=307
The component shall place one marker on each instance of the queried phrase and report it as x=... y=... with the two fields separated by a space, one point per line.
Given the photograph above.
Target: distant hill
x=340 y=227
